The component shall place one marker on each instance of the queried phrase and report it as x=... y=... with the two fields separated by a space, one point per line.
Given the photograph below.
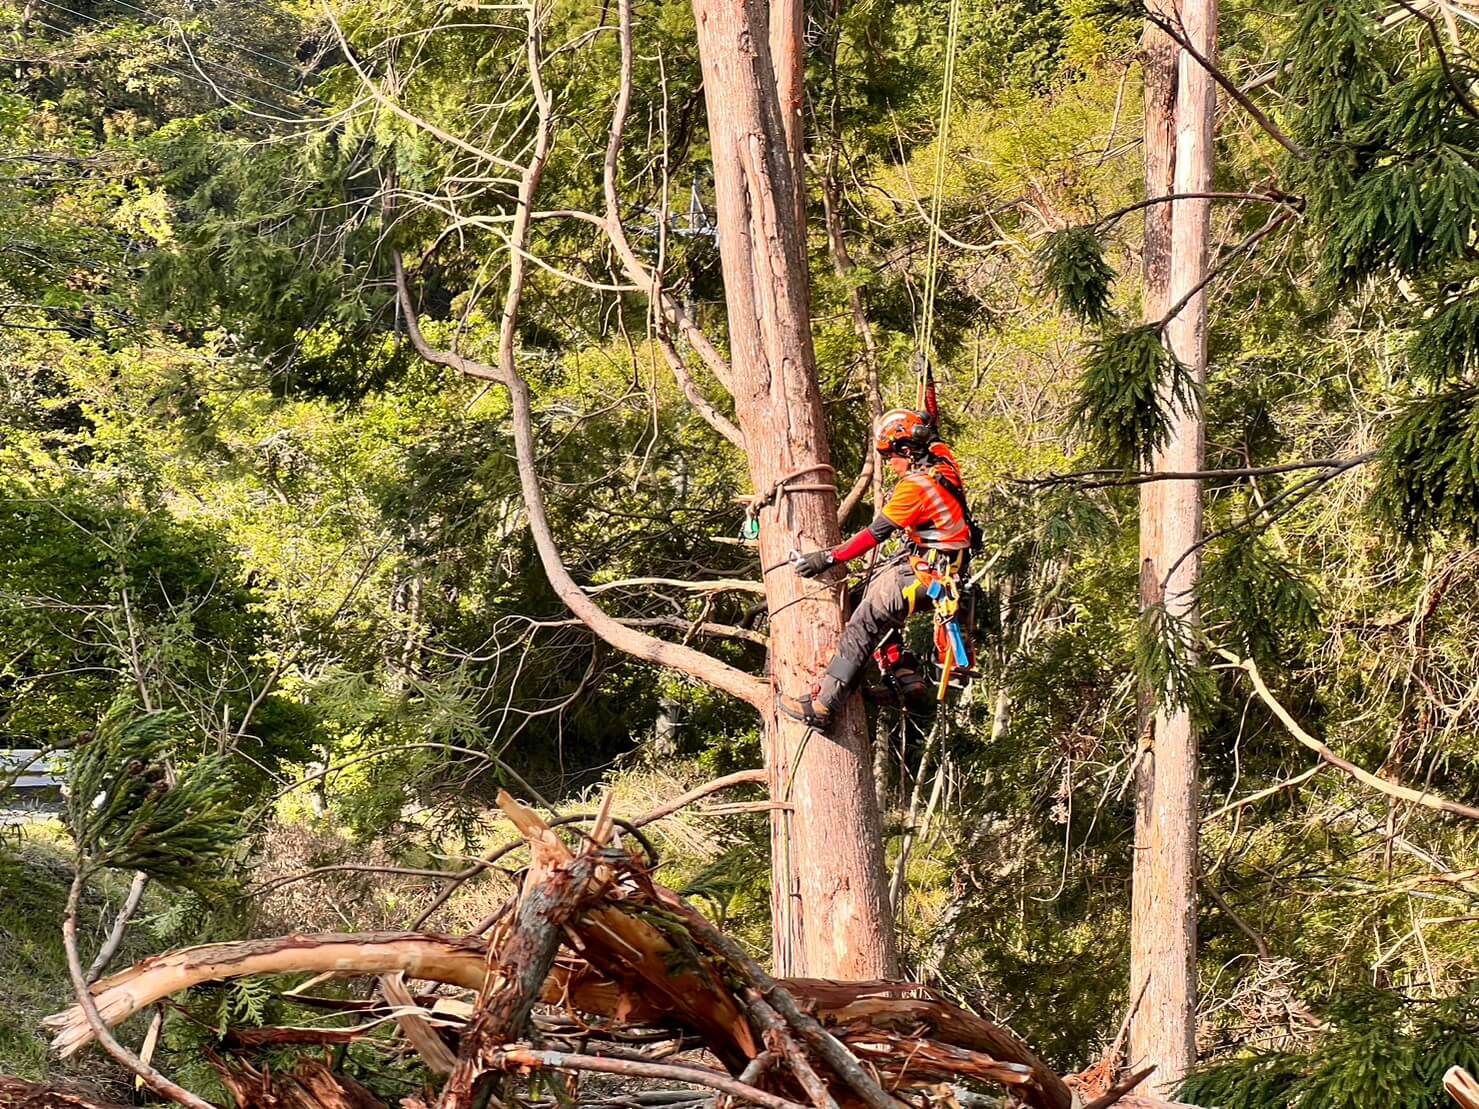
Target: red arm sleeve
x=872 y=535
x=863 y=541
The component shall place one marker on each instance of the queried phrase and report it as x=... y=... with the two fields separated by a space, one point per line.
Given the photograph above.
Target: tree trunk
x=826 y=850
x=1179 y=103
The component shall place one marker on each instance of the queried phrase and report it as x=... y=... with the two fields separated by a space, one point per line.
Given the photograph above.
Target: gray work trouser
x=891 y=596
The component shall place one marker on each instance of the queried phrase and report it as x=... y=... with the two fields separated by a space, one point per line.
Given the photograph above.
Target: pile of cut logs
x=598 y=988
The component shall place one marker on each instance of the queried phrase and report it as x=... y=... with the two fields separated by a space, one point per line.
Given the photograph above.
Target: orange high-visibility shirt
x=929 y=513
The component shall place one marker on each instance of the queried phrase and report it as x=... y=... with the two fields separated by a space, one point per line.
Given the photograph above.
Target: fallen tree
x=597 y=970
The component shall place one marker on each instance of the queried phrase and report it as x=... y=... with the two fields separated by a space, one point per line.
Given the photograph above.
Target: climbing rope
x=937 y=192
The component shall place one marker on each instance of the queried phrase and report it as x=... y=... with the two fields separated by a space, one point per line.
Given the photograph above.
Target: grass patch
x=35 y=874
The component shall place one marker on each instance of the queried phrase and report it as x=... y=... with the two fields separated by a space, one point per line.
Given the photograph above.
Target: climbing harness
x=937 y=573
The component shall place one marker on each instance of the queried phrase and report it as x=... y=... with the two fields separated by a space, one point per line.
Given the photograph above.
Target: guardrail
x=31 y=783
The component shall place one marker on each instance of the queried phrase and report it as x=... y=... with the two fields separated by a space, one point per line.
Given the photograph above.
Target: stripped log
x=1461 y=1087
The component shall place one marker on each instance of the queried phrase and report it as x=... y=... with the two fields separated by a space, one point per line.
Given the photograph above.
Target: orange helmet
x=903 y=431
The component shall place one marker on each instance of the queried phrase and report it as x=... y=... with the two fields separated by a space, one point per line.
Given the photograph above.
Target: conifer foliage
x=1393 y=182
x=128 y=810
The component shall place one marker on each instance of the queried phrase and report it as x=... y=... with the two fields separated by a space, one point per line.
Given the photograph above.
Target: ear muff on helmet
x=904 y=431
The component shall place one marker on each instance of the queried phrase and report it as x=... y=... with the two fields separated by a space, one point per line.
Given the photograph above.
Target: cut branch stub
x=516 y=977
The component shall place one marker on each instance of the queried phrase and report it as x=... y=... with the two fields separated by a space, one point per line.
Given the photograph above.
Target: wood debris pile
x=600 y=988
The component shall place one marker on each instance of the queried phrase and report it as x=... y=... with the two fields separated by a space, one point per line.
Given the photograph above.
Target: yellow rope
x=942 y=149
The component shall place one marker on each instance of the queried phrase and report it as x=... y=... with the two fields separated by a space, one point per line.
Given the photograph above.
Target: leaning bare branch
x=1425 y=798
x=1230 y=87
x=96 y=1024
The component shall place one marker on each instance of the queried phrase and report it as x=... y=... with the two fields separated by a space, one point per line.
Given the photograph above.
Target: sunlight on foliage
x=1073 y=268
x=128 y=811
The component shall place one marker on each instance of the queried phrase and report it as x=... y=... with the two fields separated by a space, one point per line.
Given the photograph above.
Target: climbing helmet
x=903 y=430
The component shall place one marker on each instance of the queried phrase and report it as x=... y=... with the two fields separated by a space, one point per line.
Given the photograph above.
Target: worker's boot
x=807 y=709
x=903 y=683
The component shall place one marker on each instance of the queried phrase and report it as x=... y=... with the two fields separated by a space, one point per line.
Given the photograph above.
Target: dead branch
x=97 y=1027
x=676 y=656
x=312 y=1085
x=632 y=1068
x=1424 y=798
x=434 y=1053
x=1175 y=33
x=629 y=964
x=698 y=793
x=457 y=962
x=651 y=280
x=120 y=926
x=685 y=659
x=1269 y=791
x=1117 y=1092
x=780 y=1043
x=715 y=585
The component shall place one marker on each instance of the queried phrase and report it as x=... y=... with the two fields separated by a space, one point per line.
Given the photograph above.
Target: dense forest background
x=234 y=497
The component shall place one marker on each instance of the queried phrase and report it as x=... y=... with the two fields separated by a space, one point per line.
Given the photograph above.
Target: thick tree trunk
x=1179 y=102
x=826 y=850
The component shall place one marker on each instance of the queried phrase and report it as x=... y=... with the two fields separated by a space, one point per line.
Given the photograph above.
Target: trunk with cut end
x=1179 y=103
x=826 y=848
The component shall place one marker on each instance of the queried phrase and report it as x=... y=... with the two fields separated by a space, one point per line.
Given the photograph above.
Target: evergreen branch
x=1229 y=86
x=1458 y=90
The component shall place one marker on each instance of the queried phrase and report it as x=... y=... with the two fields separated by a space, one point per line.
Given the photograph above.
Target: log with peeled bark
x=311 y=1086
x=1461 y=1087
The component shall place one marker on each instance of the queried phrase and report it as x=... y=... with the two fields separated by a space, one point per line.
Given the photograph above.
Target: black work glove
x=817 y=562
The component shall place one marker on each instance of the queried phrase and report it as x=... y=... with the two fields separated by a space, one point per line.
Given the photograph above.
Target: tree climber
x=929 y=506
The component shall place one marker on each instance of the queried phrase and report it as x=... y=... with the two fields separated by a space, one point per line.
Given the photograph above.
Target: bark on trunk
x=1179 y=104
x=826 y=851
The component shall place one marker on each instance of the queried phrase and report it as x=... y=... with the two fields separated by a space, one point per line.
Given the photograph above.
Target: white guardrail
x=33 y=793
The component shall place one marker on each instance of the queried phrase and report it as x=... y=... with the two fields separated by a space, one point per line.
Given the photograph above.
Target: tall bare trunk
x=1179 y=102
x=829 y=902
